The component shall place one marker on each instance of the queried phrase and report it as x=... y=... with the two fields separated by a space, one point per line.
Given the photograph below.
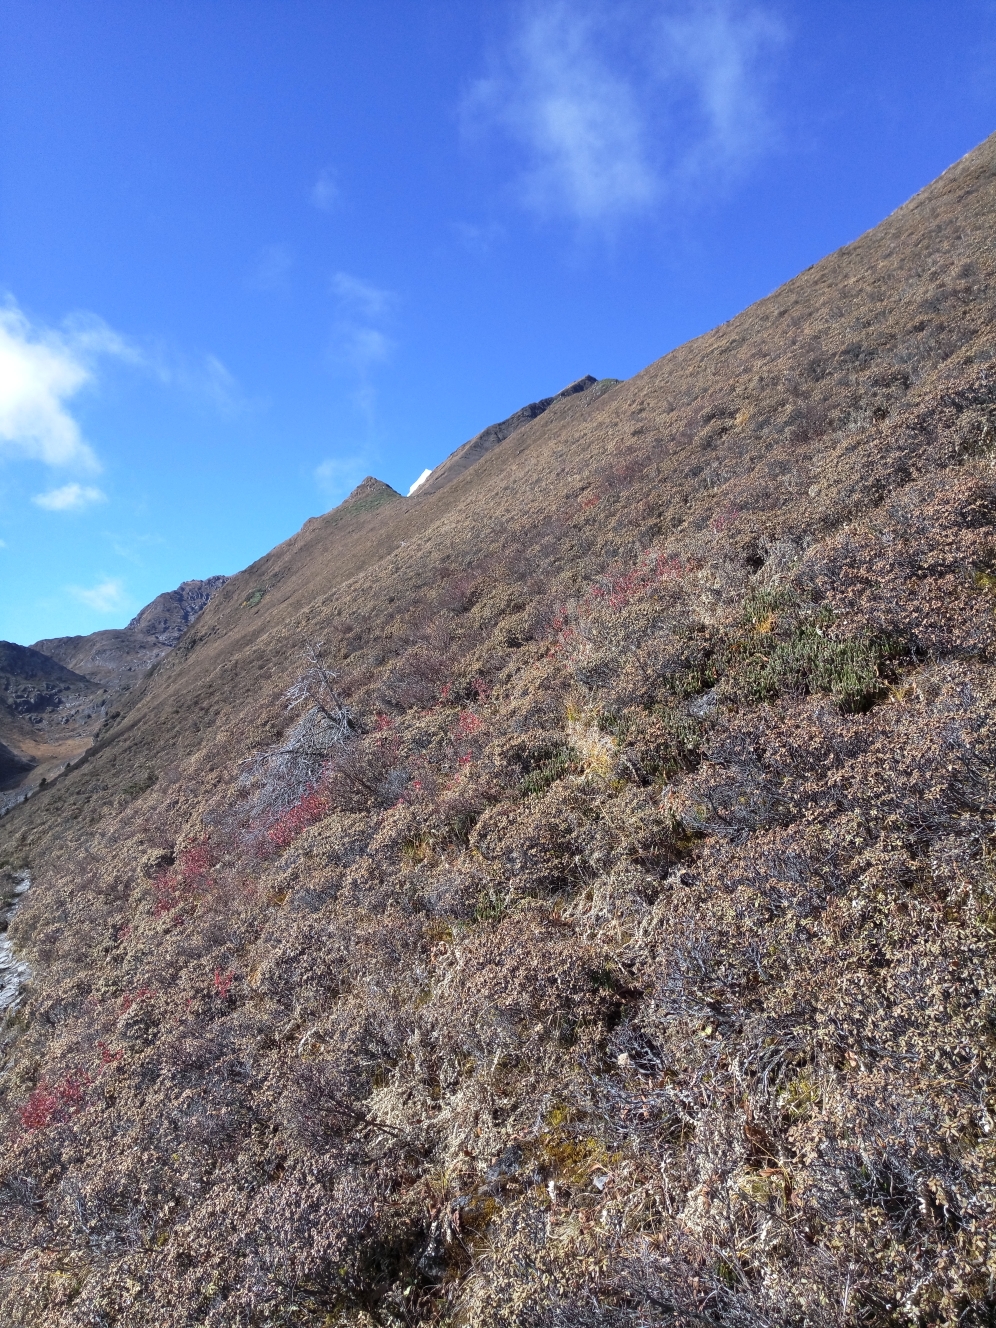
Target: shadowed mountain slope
x=12 y=765
x=109 y=655
x=55 y=694
x=43 y=706
x=563 y=897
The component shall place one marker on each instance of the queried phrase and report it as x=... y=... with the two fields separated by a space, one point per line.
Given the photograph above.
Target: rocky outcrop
x=367 y=495
x=170 y=614
x=14 y=972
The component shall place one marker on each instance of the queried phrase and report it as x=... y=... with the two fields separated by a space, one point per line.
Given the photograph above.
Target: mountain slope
x=44 y=708
x=564 y=897
x=482 y=443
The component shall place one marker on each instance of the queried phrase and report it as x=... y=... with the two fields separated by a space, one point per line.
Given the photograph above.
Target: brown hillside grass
x=566 y=898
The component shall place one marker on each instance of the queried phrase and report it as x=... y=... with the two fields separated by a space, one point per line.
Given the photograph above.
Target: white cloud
x=577 y=120
x=3 y=544
x=272 y=269
x=41 y=370
x=325 y=193
x=419 y=482
x=70 y=498
x=613 y=108
x=106 y=597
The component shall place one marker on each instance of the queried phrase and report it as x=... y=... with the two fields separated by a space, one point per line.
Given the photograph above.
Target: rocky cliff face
x=170 y=614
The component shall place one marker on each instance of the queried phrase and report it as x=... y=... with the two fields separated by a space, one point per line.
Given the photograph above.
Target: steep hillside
x=564 y=897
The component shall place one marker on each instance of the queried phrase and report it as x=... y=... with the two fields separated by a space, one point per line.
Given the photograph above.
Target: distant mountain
x=30 y=677
x=118 y=654
x=55 y=694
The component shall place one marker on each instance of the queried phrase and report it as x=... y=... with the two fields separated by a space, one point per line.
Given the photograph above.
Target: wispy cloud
x=272 y=269
x=362 y=348
x=41 y=370
x=325 y=192
x=108 y=596
x=361 y=298
x=131 y=546
x=220 y=387
x=612 y=109
x=360 y=340
x=70 y=498
x=204 y=378
x=338 y=476
x=714 y=59
x=478 y=239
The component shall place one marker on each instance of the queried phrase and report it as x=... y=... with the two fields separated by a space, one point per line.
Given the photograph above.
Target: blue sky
x=253 y=250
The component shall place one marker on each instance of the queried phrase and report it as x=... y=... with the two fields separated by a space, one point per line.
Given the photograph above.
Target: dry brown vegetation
x=567 y=898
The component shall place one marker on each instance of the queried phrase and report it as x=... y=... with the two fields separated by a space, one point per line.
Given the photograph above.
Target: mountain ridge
x=468 y=453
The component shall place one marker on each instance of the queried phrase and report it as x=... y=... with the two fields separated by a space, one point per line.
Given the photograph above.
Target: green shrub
x=785 y=647
x=811 y=662
x=548 y=768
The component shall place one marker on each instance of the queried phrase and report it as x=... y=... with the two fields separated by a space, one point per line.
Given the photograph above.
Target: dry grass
x=610 y=940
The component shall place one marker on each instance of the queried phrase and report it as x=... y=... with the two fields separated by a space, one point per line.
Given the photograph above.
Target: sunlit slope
x=803 y=410
x=564 y=898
